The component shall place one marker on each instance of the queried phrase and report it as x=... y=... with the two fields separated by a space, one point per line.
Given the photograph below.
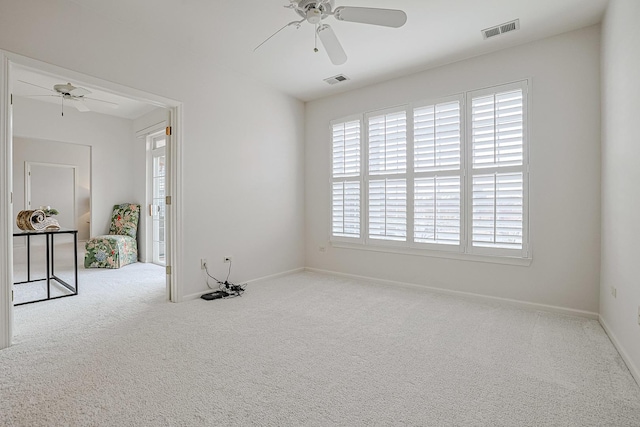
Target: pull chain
x=315 y=40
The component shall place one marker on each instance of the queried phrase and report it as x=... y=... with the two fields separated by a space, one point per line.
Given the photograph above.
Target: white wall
x=243 y=148
x=565 y=174
x=111 y=140
x=55 y=152
x=621 y=178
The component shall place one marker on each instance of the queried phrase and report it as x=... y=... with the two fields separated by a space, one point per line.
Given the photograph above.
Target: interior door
x=157 y=208
x=52 y=185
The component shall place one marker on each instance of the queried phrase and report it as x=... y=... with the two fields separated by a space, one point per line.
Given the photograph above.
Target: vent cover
x=501 y=29
x=336 y=79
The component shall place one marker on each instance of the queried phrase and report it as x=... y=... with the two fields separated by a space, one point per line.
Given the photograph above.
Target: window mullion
x=410 y=175
x=468 y=174
x=495 y=130
x=364 y=190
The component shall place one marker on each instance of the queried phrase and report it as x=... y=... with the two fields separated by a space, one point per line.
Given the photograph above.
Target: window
x=497 y=145
x=448 y=174
x=387 y=183
x=346 y=180
x=437 y=172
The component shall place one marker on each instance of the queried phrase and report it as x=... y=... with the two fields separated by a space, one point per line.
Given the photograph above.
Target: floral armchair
x=119 y=247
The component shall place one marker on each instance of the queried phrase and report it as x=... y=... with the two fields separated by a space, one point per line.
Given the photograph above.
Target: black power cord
x=225 y=289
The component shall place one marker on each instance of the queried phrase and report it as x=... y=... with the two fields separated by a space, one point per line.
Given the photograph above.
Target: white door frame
x=174 y=187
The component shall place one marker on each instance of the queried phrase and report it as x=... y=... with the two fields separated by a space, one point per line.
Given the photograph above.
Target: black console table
x=50 y=261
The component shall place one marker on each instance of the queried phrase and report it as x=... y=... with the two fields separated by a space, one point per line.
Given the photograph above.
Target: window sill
x=435 y=254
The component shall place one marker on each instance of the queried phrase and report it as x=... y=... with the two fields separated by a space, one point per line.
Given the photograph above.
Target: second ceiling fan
x=315 y=11
x=72 y=93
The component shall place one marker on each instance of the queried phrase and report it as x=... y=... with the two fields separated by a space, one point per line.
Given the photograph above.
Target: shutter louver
x=497 y=130
x=388 y=209
x=498 y=210
x=388 y=143
x=437 y=137
x=437 y=210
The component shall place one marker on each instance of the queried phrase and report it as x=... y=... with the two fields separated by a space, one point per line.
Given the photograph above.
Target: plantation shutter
x=497 y=210
x=498 y=178
x=346 y=179
x=346 y=209
x=437 y=210
x=388 y=143
x=388 y=209
x=437 y=137
x=449 y=174
x=497 y=123
x=346 y=149
x=437 y=170
x=387 y=190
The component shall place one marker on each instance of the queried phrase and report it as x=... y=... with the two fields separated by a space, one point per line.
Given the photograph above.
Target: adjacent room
x=54 y=146
x=430 y=210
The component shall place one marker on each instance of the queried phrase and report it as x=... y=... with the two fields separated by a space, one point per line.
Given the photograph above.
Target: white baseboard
x=249 y=282
x=627 y=360
x=513 y=302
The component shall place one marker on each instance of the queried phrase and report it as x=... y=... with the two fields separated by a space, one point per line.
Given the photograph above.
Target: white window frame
x=524 y=169
x=367 y=177
x=359 y=179
x=464 y=250
x=459 y=172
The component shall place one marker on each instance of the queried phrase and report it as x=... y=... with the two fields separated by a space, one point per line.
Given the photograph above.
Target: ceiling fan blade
x=297 y=23
x=80 y=106
x=107 y=103
x=331 y=45
x=41 y=87
x=368 y=15
x=79 y=91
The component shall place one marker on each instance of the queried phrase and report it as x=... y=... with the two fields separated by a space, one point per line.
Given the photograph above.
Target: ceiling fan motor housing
x=69 y=91
x=64 y=89
x=314 y=10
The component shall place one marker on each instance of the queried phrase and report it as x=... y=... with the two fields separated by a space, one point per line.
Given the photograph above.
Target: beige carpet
x=306 y=349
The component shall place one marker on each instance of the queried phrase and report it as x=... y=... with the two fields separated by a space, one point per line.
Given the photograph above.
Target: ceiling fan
x=72 y=93
x=315 y=11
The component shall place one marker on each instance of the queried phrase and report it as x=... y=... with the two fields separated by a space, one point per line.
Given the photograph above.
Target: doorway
x=172 y=237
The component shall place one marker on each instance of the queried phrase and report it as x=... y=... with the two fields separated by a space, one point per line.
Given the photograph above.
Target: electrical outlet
x=203 y=263
x=614 y=292
x=227 y=259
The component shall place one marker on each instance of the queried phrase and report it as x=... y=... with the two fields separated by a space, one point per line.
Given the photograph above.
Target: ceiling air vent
x=336 y=79
x=501 y=29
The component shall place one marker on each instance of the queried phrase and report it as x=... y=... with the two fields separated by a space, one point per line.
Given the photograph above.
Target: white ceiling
x=437 y=32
